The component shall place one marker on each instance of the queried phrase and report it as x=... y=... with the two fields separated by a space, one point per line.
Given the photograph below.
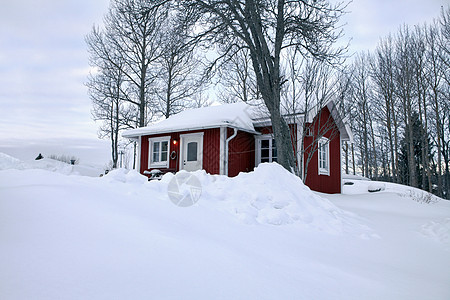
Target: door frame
x=199 y=135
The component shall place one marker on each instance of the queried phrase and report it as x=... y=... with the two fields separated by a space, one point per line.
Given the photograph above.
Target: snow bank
x=363 y=186
x=271 y=195
x=120 y=237
x=126 y=176
x=8 y=162
x=268 y=195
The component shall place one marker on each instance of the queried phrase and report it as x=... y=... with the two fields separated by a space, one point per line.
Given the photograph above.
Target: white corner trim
x=323 y=171
x=223 y=131
x=138 y=154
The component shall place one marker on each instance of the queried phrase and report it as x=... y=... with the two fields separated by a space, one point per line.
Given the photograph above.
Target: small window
x=192 y=151
x=324 y=156
x=159 y=151
x=267 y=149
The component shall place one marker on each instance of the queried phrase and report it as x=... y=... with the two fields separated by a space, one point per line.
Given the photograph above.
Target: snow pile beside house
x=126 y=176
x=272 y=195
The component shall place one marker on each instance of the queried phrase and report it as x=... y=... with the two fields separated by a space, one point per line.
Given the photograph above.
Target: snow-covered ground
x=260 y=235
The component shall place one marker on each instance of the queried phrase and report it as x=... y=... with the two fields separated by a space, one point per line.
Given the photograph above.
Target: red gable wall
x=324 y=183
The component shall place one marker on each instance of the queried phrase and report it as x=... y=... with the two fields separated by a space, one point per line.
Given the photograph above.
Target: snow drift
x=272 y=195
x=9 y=162
x=260 y=235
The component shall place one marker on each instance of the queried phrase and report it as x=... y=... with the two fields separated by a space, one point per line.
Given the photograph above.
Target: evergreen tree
x=418 y=144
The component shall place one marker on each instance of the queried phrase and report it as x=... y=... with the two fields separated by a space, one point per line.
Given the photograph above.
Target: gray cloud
x=44 y=64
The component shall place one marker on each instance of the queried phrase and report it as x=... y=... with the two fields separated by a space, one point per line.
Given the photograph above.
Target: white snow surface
x=237 y=115
x=9 y=162
x=260 y=235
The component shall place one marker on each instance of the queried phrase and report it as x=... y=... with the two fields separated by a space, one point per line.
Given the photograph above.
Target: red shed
x=233 y=138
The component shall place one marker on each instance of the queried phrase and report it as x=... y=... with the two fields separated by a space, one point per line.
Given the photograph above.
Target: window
x=324 y=156
x=192 y=151
x=267 y=149
x=159 y=151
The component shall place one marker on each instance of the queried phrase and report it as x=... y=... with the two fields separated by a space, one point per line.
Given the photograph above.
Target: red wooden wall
x=324 y=183
x=241 y=153
x=211 y=150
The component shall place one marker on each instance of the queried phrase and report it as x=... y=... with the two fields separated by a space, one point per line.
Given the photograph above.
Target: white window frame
x=323 y=143
x=159 y=164
x=259 y=138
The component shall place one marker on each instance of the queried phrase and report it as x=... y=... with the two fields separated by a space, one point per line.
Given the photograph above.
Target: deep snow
x=260 y=235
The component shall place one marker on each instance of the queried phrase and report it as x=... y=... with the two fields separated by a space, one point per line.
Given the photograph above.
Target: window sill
x=324 y=172
x=160 y=165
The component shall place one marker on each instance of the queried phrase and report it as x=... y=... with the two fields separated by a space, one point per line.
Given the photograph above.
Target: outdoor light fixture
x=175 y=142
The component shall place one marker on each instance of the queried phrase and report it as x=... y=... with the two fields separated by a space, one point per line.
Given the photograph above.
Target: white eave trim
x=138 y=133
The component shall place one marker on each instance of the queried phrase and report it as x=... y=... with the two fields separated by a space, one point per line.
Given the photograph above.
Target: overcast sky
x=44 y=64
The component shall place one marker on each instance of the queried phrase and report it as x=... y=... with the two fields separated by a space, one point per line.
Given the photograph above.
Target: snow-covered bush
x=72 y=160
x=421 y=196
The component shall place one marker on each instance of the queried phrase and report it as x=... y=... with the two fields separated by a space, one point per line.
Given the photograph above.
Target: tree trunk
x=353 y=160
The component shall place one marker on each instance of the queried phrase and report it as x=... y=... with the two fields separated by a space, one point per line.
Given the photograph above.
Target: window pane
x=163 y=156
x=265 y=144
x=164 y=146
x=323 y=155
x=274 y=153
x=192 y=151
x=264 y=153
x=156 y=151
x=155 y=146
x=264 y=159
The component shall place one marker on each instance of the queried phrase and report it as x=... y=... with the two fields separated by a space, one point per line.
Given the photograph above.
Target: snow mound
x=126 y=176
x=272 y=195
x=439 y=230
x=376 y=187
x=9 y=162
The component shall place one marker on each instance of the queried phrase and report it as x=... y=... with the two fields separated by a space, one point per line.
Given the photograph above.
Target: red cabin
x=233 y=138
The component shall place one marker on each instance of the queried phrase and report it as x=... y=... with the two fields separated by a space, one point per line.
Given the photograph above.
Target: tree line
x=143 y=68
x=398 y=102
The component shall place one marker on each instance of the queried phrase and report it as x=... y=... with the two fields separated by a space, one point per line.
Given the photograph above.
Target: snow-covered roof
x=240 y=115
x=235 y=115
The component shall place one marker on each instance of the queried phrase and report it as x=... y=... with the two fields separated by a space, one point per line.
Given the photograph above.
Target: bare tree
x=361 y=99
x=237 y=79
x=382 y=73
x=133 y=30
x=421 y=84
x=435 y=75
x=106 y=90
x=404 y=78
x=179 y=70
x=266 y=28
